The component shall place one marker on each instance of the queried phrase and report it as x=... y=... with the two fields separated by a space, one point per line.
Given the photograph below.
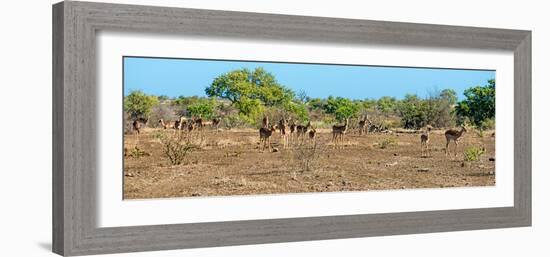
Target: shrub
x=488 y=124
x=176 y=146
x=485 y=125
x=236 y=121
x=473 y=153
x=127 y=123
x=306 y=155
x=135 y=152
x=297 y=111
x=161 y=111
x=387 y=142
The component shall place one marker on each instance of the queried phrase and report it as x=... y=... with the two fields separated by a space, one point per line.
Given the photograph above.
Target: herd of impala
x=290 y=131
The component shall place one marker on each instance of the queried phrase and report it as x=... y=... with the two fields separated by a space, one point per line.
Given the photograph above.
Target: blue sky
x=175 y=77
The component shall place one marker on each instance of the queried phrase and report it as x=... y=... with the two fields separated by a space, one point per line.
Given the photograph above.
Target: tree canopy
x=246 y=95
x=342 y=108
x=138 y=104
x=479 y=104
x=386 y=104
x=203 y=108
x=243 y=86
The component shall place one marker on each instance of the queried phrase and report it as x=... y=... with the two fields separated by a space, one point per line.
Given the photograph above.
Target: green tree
x=202 y=108
x=341 y=108
x=299 y=110
x=445 y=104
x=413 y=111
x=386 y=104
x=302 y=96
x=449 y=96
x=163 y=98
x=244 y=88
x=249 y=107
x=186 y=100
x=139 y=104
x=369 y=104
x=479 y=104
x=316 y=103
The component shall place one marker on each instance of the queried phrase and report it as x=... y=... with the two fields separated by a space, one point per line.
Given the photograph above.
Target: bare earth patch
x=230 y=163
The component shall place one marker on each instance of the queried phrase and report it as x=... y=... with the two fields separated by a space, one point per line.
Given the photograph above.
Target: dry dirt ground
x=230 y=163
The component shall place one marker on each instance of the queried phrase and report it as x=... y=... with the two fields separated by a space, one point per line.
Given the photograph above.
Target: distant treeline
x=242 y=97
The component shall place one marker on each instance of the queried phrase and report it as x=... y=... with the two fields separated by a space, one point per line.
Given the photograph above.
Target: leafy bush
x=488 y=124
x=202 y=108
x=473 y=153
x=236 y=121
x=297 y=111
x=485 y=125
x=386 y=105
x=342 y=108
x=436 y=110
x=412 y=111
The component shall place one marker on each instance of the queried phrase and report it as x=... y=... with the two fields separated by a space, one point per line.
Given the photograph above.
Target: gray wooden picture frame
x=75 y=25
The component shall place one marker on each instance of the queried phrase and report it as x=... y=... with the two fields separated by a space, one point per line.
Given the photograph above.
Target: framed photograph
x=181 y=128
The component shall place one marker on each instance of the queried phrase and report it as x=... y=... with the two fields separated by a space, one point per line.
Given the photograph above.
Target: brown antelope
x=284 y=130
x=191 y=125
x=182 y=123
x=364 y=125
x=198 y=123
x=206 y=123
x=312 y=134
x=371 y=127
x=138 y=124
x=453 y=135
x=265 y=122
x=338 y=133
x=281 y=124
x=215 y=123
x=424 y=142
x=167 y=124
x=302 y=130
x=265 y=137
x=292 y=128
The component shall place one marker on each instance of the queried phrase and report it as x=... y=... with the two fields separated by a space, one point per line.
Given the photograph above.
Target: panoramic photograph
x=199 y=128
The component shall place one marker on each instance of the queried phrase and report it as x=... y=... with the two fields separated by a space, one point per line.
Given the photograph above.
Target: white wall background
x=25 y=135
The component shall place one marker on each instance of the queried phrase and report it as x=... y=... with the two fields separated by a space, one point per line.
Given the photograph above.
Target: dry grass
x=229 y=163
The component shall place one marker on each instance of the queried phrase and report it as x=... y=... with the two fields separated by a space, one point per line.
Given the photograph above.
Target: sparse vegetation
x=162 y=111
x=176 y=146
x=361 y=164
x=135 y=152
x=387 y=142
x=307 y=155
x=473 y=153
